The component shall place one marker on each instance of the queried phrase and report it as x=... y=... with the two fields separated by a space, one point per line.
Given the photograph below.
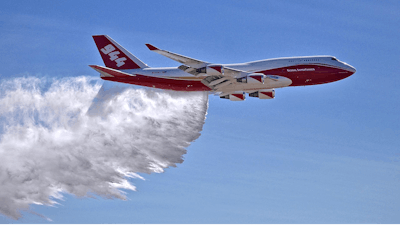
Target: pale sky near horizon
x=318 y=154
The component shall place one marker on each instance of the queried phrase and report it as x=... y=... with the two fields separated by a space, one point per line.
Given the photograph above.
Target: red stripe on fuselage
x=310 y=74
x=300 y=75
x=162 y=83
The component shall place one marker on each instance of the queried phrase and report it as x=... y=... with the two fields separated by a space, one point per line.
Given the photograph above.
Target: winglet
x=151 y=47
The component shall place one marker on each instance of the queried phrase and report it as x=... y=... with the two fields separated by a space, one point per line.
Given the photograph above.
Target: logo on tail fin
x=109 y=50
x=115 y=56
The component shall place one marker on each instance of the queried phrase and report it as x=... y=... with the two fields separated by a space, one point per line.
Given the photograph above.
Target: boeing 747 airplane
x=229 y=81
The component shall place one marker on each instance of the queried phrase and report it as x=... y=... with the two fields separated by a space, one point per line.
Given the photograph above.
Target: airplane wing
x=231 y=83
x=195 y=63
x=220 y=79
x=218 y=83
x=195 y=66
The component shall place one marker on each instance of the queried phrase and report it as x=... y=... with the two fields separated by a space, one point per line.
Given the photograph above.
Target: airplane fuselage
x=229 y=81
x=301 y=71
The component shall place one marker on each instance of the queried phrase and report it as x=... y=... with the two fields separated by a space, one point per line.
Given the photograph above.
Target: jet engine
x=214 y=70
x=254 y=78
x=263 y=94
x=236 y=96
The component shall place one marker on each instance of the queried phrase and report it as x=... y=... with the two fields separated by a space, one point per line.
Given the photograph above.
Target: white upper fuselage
x=253 y=67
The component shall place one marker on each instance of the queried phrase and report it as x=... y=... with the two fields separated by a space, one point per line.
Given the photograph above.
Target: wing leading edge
x=179 y=58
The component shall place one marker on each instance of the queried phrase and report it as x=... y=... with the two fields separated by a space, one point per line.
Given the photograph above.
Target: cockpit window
x=333 y=58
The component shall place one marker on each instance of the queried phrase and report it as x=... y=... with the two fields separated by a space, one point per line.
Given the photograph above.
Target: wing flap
x=216 y=83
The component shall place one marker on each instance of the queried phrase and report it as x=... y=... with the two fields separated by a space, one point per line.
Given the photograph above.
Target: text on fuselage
x=300 y=70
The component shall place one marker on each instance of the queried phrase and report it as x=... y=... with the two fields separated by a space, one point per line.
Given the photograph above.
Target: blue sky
x=319 y=154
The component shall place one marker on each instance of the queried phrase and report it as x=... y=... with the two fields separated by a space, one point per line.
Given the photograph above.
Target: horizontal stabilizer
x=108 y=72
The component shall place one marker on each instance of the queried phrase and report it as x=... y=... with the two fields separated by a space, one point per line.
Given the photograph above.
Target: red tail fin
x=115 y=56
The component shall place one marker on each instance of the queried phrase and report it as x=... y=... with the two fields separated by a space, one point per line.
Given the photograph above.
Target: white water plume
x=52 y=143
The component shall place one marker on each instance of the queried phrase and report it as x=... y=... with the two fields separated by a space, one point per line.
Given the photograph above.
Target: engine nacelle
x=263 y=94
x=254 y=78
x=236 y=96
x=214 y=70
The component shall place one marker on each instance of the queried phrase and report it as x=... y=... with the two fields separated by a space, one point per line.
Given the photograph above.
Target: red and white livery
x=229 y=81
